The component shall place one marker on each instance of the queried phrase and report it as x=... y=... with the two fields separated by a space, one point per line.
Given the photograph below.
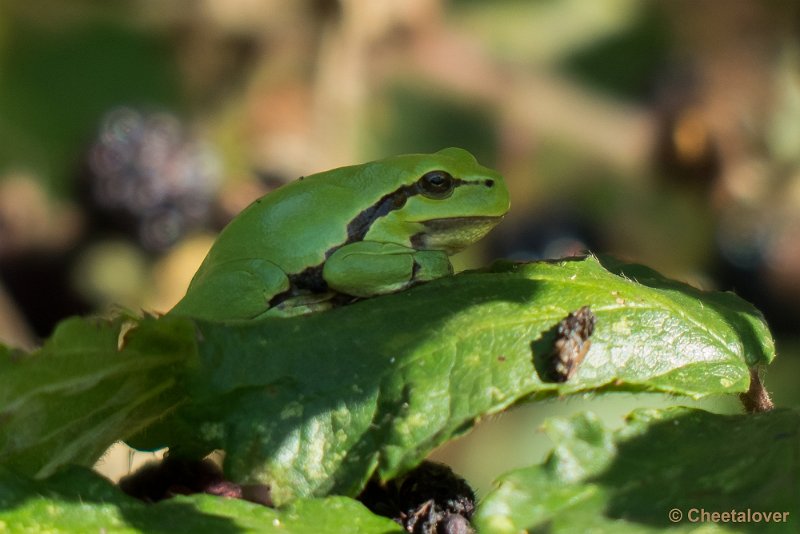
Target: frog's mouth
x=452 y=234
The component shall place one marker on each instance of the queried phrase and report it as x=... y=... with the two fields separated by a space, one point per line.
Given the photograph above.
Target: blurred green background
x=664 y=132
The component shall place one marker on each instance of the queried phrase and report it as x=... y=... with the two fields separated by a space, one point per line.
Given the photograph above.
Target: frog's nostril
x=489 y=183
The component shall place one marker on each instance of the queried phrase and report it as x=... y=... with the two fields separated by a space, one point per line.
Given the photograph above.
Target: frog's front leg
x=239 y=289
x=368 y=268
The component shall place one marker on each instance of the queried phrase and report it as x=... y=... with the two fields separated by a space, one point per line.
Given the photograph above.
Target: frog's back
x=295 y=225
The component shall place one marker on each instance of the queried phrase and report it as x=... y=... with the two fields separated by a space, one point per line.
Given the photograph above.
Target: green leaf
x=79 y=500
x=728 y=312
x=81 y=392
x=630 y=479
x=316 y=404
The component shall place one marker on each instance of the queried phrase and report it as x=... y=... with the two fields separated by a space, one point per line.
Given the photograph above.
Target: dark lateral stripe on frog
x=357 y=228
x=311 y=278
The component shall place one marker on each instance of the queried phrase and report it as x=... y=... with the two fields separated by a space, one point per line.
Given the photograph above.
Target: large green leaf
x=659 y=472
x=88 y=387
x=81 y=501
x=316 y=404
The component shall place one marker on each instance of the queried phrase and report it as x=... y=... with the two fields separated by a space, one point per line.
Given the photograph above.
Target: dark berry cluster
x=149 y=175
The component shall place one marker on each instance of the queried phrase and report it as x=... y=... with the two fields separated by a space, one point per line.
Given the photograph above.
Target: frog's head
x=441 y=201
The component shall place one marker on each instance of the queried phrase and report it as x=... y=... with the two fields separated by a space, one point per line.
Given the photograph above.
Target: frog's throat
x=453 y=234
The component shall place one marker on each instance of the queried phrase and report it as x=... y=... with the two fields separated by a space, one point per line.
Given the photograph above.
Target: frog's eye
x=436 y=184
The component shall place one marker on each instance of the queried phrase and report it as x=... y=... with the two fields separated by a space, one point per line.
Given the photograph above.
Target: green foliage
x=630 y=479
x=77 y=395
x=78 y=500
x=316 y=405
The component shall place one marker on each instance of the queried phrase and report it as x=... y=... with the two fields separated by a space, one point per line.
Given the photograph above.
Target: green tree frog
x=347 y=233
